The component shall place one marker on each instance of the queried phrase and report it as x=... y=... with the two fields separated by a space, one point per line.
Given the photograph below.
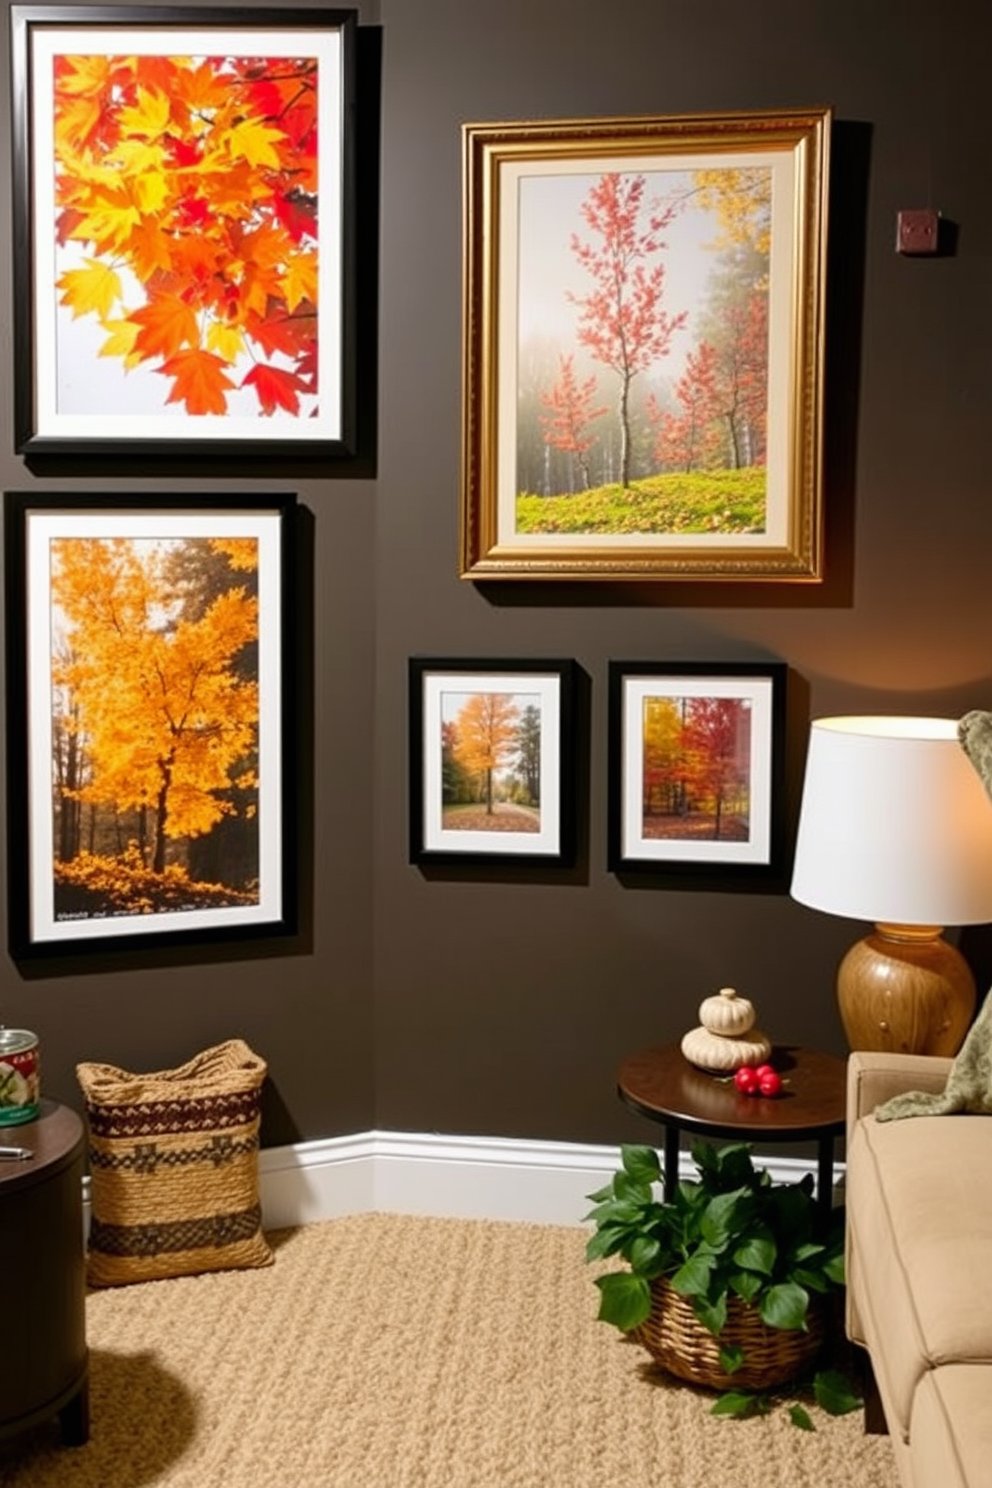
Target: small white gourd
x=727 y=1038
x=726 y=1013
x=711 y=1051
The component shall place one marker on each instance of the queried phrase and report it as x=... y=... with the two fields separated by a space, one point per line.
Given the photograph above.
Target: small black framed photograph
x=492 y=761
x=150 y=686
x=697 y=760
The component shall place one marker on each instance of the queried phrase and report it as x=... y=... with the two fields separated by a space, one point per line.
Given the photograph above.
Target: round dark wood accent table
x=661 y=1084
x=42 y=1276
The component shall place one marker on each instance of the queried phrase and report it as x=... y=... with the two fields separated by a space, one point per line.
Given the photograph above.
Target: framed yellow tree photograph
x=184 y=222
x=492 y=761
x=149 y=661
x=644 y=312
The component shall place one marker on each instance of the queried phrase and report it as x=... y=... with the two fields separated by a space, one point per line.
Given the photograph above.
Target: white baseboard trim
x=506 y=1178
x=456 y=1177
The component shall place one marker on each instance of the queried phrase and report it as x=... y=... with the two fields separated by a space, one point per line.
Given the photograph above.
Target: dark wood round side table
x=42 y=1276
x=661 y=1084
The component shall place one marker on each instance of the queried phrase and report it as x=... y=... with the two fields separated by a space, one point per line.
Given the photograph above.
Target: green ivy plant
x=731 y=1232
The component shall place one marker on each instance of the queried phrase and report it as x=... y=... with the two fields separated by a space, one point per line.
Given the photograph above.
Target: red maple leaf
x=275 y=388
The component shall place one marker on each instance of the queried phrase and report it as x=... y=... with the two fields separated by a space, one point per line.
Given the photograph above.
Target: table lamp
x=895 y=827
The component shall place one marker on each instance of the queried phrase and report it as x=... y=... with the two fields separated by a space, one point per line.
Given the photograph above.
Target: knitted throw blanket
x=969 y=1084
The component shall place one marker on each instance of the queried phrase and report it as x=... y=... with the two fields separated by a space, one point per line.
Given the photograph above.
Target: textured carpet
x=383 y=1351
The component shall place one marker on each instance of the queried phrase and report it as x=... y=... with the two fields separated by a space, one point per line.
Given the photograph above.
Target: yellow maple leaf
x=148 y=117
x=252 y=140
x=120 y=341
x=75 y=123
x=108 y=222
x=226 y=341
x=301 y=280
x=141 y=164
x=93 y=289
x=85 y=76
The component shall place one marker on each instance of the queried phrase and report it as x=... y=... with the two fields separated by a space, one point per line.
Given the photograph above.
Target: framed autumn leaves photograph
x=149 y=657
x=697 y=760
x=643 y=332
x=184 y=233
x=492 y=761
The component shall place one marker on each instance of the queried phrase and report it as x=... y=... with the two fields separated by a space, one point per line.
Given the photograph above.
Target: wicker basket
x=678 y=1341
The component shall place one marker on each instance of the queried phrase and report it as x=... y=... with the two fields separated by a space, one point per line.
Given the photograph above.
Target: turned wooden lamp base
x=904 y=989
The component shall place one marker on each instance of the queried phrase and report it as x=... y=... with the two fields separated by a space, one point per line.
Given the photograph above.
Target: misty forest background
x=607 y=439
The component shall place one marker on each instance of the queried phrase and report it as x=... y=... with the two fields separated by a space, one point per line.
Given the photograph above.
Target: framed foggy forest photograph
x=643 y=325
x=183 y=190
x=492 y=761
x=696 y=761
x=149 y=664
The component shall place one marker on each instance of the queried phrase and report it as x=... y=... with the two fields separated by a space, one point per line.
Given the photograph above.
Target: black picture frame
x=525 y=771
x=78 y=386
x=202 y=650
x=696 y=768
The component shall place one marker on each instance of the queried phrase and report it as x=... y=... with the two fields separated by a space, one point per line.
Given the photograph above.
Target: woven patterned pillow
x=174 y=1167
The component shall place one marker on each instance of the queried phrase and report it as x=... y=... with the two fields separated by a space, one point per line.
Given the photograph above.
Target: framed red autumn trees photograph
x=492 y=766
x=183 y=214
x=644 y=316
x=696 y=766
x=148 y=662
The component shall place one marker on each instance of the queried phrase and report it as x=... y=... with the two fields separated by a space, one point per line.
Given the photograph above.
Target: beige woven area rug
x=385 y=1351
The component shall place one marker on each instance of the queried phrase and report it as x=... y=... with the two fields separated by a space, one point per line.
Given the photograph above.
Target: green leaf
x=640 y=1163
x=757 y=1254
x=606 y=1242
x=632 y=1190
x=693 y=1278
x=801 y=1417
x=812 y=1280
x=723 y=1216
x=643 y=1253
x=834 y=1393
x=625 y=1299
x=746 y=1284
x=621 y=1211
x=735 y=1166
x=705 y=1157
x=601 y=1194
x=731 y=1358
x=712 y=1315
x=834 y=1269
x=739 y=1403
x=784 y=1306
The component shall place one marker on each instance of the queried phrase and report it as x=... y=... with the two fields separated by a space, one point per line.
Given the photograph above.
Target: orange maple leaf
x=167 y=323
x=275 y=388
x=199 y=381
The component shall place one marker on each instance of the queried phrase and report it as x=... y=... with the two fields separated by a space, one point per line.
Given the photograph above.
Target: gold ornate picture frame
x=643 y=306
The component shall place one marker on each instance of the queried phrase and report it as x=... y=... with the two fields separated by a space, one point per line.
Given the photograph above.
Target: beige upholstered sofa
x=919 y=1270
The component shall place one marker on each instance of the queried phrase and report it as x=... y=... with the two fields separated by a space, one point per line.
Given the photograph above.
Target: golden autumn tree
x=163 y=715
x=487 y=737
x=662 y=725
x=188 y=187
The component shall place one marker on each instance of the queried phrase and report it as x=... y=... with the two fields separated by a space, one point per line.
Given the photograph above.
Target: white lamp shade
x=895 y=824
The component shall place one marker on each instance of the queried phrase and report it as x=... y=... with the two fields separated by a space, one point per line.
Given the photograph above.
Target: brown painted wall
x=499 y=1004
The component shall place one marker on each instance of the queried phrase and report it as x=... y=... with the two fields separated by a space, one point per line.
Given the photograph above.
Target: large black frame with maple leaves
x=696 y=768
x=643 y=311
x=184 y=253
x=150 y=678
x=492 y=761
